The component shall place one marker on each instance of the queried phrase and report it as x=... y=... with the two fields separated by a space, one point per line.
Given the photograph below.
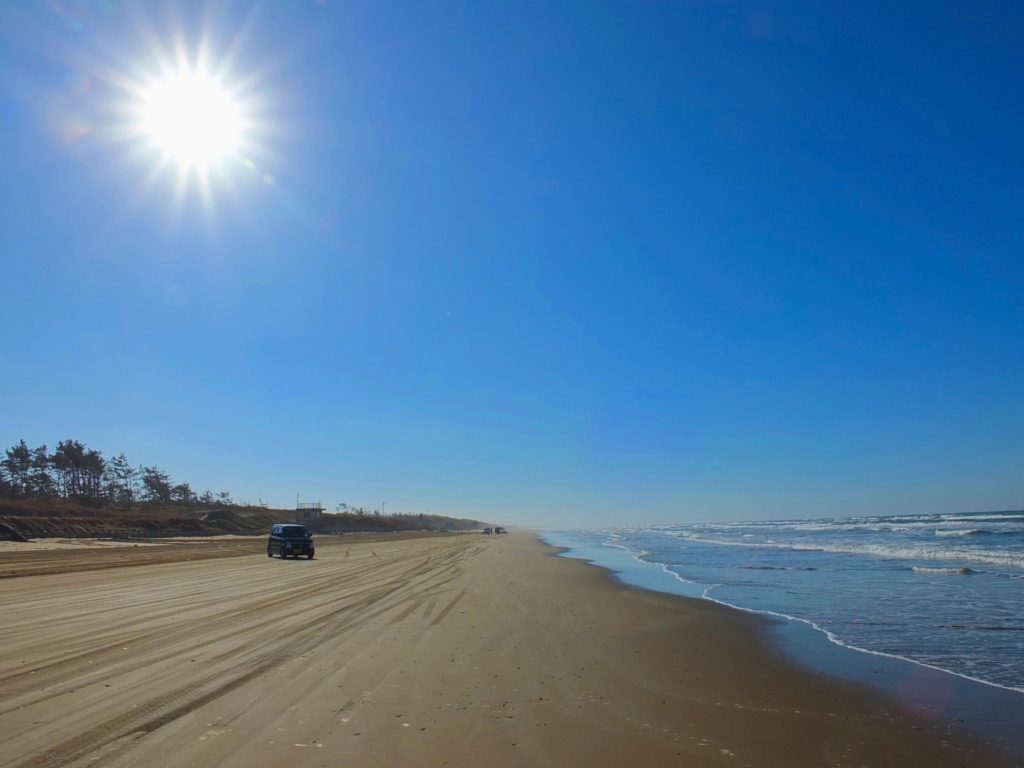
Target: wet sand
x=457 y=650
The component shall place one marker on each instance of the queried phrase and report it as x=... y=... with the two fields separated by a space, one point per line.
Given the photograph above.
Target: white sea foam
x=961 y=532
x=1005 y=558
x=636 y=553
x=834 y=638
x=986 y=517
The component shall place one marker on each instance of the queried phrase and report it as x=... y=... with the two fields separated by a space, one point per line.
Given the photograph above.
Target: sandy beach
x=453 y=650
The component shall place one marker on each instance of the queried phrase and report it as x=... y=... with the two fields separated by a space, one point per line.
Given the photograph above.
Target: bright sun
x=188 y=115
x=192 y=119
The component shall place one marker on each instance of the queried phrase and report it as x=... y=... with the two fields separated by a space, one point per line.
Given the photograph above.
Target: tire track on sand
x=397 y=588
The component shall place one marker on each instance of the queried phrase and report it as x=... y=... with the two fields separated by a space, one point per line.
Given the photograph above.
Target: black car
x=290 y=539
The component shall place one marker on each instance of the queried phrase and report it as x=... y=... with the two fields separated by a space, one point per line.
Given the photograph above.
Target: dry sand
x=457 y=650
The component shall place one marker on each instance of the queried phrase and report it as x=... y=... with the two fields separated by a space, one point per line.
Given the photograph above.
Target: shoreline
x=460 y=650
x=959 y=700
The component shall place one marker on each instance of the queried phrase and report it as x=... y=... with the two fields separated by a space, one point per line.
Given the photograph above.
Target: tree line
x=73 y=471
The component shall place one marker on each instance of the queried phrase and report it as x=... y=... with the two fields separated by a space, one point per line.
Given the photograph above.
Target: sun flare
x=192 y=119
x=193 y=116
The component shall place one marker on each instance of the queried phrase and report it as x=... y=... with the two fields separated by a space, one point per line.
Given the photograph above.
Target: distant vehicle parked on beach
x=290 y=539
x=487 y=531
x=499 y=530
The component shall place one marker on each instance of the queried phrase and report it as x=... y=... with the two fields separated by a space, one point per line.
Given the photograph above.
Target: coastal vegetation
x=76 y=490
x=75 y=472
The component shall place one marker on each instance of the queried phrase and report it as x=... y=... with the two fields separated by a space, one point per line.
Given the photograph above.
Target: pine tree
x=41 y=482
x=156 y=485
x=18 y=467
x=119 y=480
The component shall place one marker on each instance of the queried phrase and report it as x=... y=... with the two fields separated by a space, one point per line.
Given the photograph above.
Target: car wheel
x=309 y=556
x=269 y=553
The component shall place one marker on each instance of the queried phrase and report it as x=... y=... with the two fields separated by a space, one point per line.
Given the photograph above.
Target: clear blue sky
x=561 y=262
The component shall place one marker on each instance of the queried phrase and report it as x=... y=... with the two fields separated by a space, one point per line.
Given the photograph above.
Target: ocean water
x=941 y=591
